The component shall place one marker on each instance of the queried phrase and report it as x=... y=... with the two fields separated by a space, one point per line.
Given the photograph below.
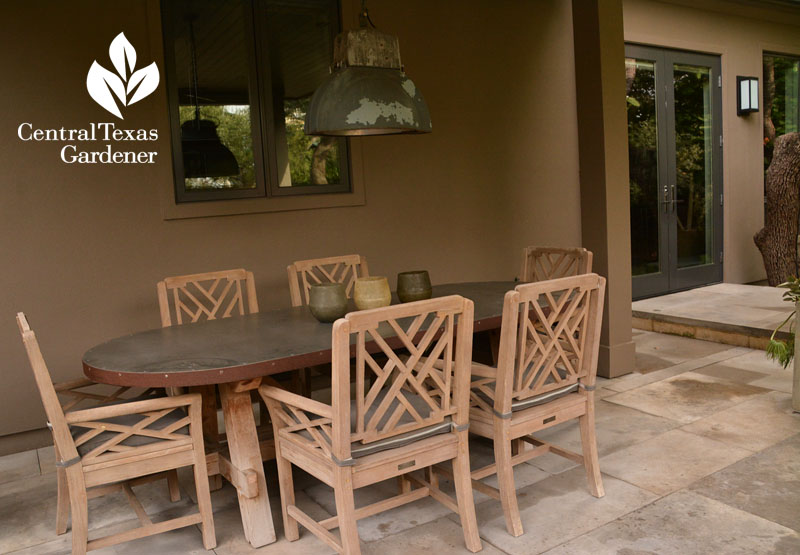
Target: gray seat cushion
x=522 y=404
x=129 y=420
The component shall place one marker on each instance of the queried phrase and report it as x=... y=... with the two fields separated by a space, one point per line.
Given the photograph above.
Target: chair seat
x=522 y=404
x=359 y=449
x=129 y=420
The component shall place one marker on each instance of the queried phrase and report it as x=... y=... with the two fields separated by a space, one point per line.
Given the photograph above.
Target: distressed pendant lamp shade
x=367 y=93
x=204 y=155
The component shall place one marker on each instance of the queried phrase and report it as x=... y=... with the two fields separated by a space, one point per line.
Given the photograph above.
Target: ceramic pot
x=327 y=301
x=372 y=292
x=413 y=286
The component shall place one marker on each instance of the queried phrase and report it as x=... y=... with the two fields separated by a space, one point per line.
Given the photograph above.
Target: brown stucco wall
x=739 y=33
x=83 y=246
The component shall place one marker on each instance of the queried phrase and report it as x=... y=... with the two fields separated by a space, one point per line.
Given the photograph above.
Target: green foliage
x=783 y=351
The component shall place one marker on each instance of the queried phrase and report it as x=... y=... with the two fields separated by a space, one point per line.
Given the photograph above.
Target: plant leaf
x=120 y=50
x=147 y=79
x=100 y=82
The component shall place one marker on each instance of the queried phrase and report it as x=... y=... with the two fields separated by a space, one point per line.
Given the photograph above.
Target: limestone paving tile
x=557 y=509
x=766 y=484
x=687 y=397
x=685 y=523
x=752 y=425
x=670 y=461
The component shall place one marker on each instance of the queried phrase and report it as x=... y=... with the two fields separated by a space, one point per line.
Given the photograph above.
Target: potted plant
x=783 y=351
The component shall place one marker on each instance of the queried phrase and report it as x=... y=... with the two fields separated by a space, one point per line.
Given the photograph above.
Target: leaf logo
x=127 y=85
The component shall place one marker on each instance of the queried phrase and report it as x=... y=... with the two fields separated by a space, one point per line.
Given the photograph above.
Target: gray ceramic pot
x=413 y=286
x=327 y=301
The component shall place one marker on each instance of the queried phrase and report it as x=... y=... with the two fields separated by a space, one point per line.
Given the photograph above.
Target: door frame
x=670 y=278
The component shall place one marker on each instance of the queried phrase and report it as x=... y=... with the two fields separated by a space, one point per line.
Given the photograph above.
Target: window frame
x=263 y=123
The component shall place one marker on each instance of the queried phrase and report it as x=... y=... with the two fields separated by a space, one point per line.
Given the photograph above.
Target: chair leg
x=403 y=485
x=346 y=511
x=204 y=502
x=79 y=505
x=466 y=502
x=286 y=486
x=589 y=446
x=201 y=478
x=62 y=508
x=172 y=484
x=505 y=477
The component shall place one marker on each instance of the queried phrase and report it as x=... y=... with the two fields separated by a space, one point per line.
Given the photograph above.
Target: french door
x=675 y=154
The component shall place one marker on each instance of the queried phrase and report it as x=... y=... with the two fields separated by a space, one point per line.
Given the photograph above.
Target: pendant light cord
x=363 y=17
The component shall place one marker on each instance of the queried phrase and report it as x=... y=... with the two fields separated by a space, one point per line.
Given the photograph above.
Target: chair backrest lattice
x=335 y=269
x=207 y=296
x=412 y=366
x=44 y=383
x=542 y=263
x=549 y=339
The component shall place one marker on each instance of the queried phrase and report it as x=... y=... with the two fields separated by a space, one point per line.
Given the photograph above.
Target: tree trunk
x=777 y=240
x=769 y=99
x=319 y=160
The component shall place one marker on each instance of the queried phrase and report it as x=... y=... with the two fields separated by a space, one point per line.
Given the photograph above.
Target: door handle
x=673 y=200
x=666 y=201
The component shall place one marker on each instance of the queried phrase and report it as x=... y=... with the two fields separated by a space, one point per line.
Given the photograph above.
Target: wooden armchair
x=115 y=447
x=546 y=374
x=335 y=269
x=206 y=296
x=412 y=416
x=305 y=273
x=540 y=263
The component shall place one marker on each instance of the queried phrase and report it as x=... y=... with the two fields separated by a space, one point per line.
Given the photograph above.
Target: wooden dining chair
x=549 y=344
x=118 y=446
x=413 y=415
x=540 y=263
x=206 y=296
x=334 y=269
x=305 y=273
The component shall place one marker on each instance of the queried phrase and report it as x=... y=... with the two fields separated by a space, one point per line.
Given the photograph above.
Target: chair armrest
x=134 y=407
x=296 y=401
x=483 y=371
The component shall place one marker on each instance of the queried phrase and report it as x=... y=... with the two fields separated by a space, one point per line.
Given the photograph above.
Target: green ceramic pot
x=327 y=301
x=372 y=292
x=413 y=286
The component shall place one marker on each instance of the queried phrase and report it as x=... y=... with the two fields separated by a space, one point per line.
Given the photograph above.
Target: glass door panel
x=643 y=161
x=693 y=165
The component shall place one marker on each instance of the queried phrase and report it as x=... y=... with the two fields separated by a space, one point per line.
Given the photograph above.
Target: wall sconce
x=746 y=95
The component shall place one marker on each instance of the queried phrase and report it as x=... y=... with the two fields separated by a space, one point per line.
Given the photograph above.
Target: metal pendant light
x=204 y=155
x=367 y=92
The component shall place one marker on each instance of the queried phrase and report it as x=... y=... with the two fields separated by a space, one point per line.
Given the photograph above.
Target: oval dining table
x=235 y=354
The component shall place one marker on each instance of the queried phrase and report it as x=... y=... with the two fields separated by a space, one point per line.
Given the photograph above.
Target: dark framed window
x=781 y=92
x=240 y=74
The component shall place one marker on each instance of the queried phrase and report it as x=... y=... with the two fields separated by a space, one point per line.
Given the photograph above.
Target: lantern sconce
x=746 y=95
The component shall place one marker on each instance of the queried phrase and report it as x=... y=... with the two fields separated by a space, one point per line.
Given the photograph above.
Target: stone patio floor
x=732 y=313
x=700 y=453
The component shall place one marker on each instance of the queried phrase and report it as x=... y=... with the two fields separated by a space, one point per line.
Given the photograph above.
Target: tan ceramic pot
x=372 y=292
